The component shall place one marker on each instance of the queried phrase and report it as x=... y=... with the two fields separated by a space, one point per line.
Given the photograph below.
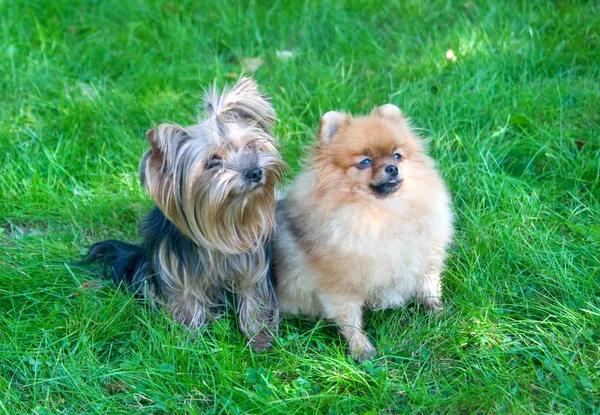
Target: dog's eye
x=397 y=156
x=365 y=163
x=213 y=161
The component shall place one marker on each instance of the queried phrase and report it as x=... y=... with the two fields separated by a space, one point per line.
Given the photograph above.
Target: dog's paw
x=362 y=349
x=433 y=305
x=262 y=341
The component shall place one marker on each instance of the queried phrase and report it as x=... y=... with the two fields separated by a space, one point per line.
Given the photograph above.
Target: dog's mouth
x=250 y=187
x=253 y=187
x=386 y=188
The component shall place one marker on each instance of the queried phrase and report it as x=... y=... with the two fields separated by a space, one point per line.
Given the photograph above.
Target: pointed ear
x=331 y=123
x=164 y=136
x=151 y=137
x=388 y=112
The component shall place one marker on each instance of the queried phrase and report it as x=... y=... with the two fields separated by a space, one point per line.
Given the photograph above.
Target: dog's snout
x=254 y=174
x=391 y=170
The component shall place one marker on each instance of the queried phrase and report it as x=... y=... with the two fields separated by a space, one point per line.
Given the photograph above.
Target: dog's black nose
x=392 y=170
x=255 y=174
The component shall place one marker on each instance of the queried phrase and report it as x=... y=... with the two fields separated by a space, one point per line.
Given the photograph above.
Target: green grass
x=513 y=122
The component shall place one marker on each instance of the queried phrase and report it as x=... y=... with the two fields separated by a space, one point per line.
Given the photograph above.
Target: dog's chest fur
x=381 y=255
x=184 y=265
x=378 y=253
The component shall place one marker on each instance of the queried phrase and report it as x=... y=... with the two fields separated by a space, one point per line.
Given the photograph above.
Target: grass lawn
x=512 y=117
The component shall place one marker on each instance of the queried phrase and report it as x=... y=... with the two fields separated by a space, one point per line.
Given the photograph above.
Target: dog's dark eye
x=365 y=163
x=397 y=156
x=213 y=161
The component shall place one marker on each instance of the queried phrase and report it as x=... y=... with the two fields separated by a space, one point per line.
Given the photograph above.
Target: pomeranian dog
x=367 y=224
x=207 y=239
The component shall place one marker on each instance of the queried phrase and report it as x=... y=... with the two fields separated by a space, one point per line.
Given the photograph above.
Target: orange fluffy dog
x=366 y=225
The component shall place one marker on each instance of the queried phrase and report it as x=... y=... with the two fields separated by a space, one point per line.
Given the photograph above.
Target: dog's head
x=370 y=156
x=215 y=180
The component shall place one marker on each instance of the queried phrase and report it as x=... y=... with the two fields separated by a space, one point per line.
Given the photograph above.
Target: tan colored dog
x=367 y=224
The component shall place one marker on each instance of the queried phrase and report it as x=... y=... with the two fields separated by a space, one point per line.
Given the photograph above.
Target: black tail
x=128 y=263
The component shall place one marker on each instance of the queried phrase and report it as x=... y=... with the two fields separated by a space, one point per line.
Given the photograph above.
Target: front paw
x=433 y=305
x=262 y=341
x=361 y=349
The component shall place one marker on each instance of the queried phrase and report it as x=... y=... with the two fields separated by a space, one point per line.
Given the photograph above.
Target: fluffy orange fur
x=352 y=236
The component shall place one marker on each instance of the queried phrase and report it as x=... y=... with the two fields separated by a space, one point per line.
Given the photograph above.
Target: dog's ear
x=388 y=112
x=165 y=136
x=151 y=137
x=331 y=123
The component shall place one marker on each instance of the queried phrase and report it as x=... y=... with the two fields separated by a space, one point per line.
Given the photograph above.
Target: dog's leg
x=347 y=313
x=430 y=291
x=187 y=299
x=258 y=315
x=188 y=309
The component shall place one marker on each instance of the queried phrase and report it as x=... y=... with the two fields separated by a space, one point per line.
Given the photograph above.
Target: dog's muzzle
x=391 y=183
x=254 y=175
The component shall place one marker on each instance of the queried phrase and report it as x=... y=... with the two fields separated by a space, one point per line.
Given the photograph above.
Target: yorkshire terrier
x=207 y=239
x=367 y=224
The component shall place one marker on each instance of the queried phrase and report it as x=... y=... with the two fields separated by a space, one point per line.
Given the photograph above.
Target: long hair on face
x=201 y=165
x=213 y=184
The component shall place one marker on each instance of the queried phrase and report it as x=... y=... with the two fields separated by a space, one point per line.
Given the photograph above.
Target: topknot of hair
x=242 y=103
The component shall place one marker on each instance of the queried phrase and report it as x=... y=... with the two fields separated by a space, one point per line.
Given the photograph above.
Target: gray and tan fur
x=208 y=235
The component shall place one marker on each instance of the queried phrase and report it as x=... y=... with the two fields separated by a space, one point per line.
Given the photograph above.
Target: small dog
x=366 y=224
x=208 y=235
